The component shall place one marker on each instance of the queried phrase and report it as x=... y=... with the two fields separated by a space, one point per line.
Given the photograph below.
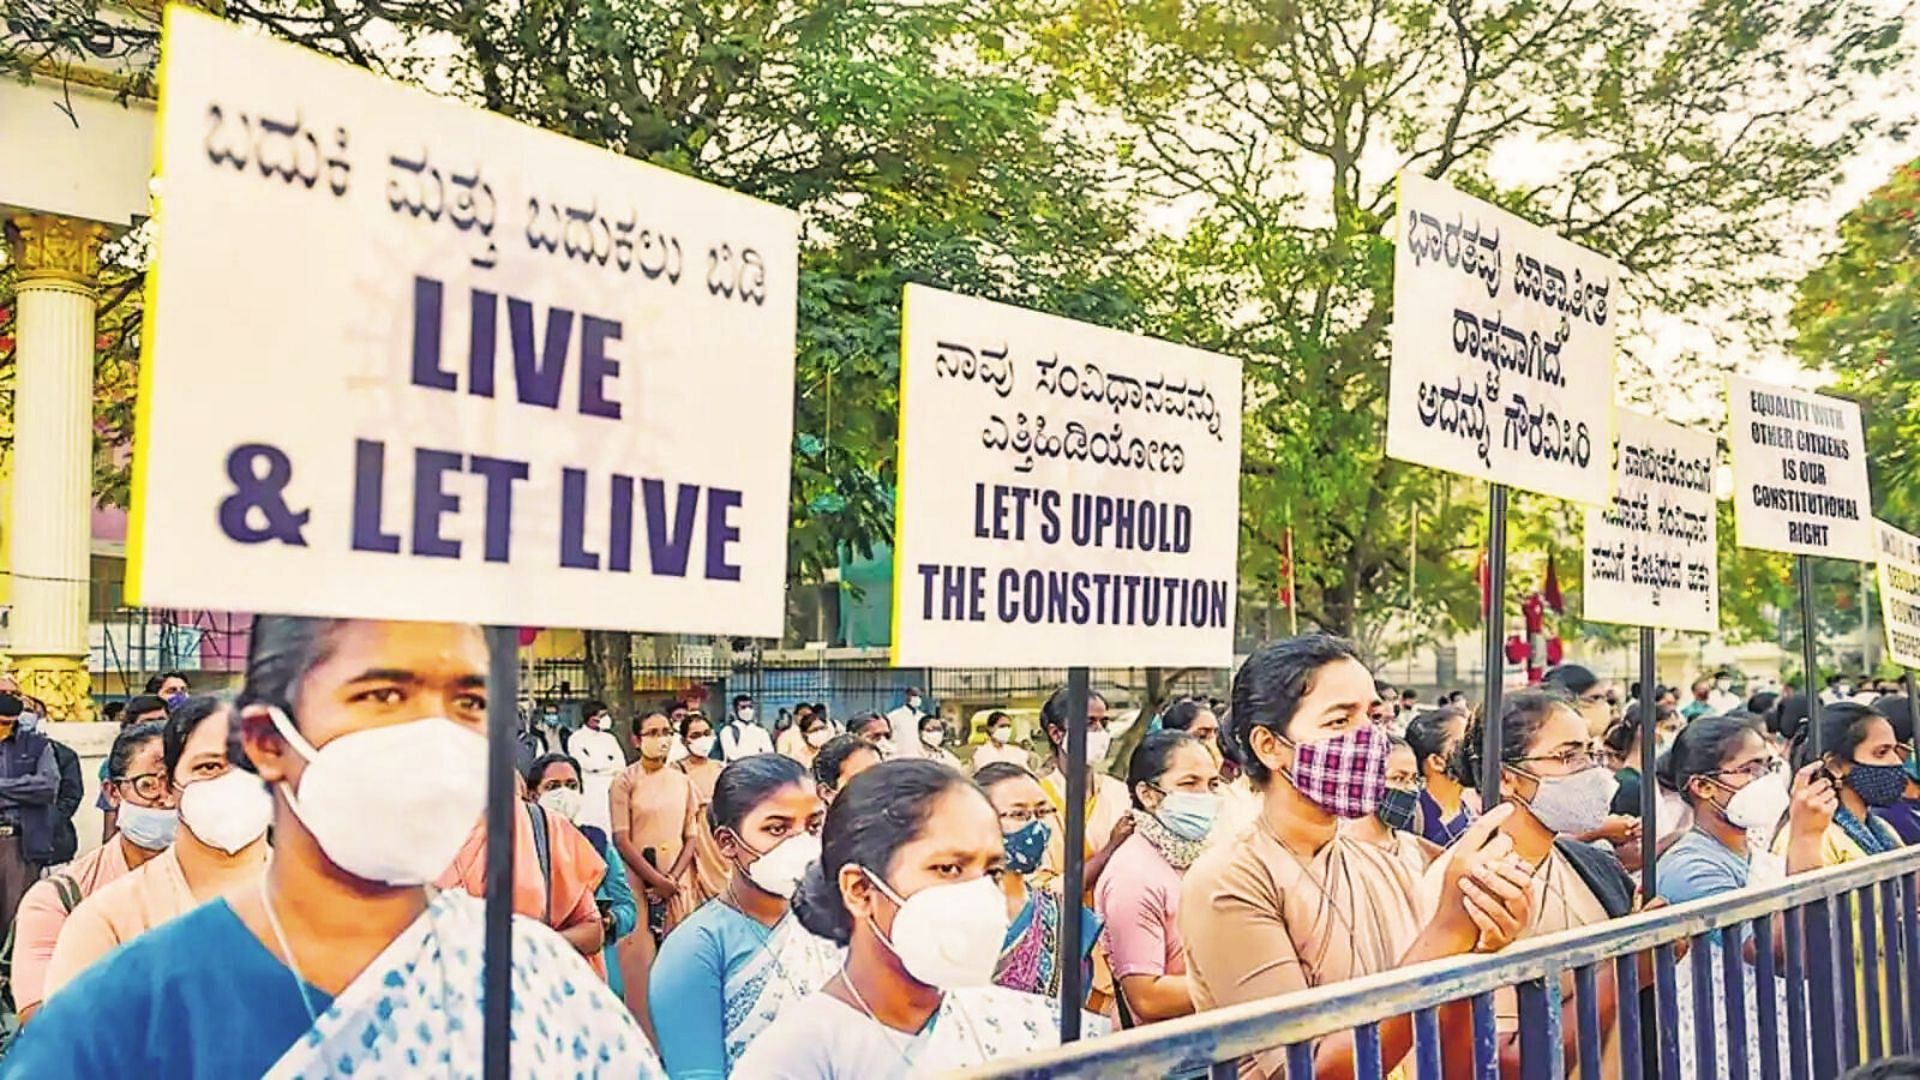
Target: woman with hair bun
x=906 y=880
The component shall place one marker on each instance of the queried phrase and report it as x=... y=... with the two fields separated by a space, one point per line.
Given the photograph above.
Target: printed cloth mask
x=1189 y=815
x=933 y=738
x=778 y=872
x=1027 y=845
x=148 y=828
x=1343 y=775
x=1575 y=804
x=1398 y=807
x=228 y=811
x=392 y=804
x=1879 y=785
x=1000 y=735
x=1759 y=806
x=1098 y=743
x=818 y=739
x=947 y=936
x=701 y=747
x=564 y=801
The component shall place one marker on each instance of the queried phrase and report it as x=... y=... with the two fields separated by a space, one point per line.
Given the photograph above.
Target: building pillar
x=51 y=511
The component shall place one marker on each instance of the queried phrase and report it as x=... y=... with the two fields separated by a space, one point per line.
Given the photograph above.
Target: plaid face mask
x=1343 y=775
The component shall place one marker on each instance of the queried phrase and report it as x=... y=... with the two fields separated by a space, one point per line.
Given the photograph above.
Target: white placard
x=1502 y=347
x=1799 y=472
x=409 y=359
x=1068 y=494
x=1650 y=557
x=1899 y=569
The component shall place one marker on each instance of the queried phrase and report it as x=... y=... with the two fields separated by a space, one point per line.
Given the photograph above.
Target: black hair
x=935 y=717
x=1053 y=715
x=1180 y=715
x=1788 y=717
x=998 y=715
x=181 y=724
x=146 y=703
x=280 y=651
x=113 y=710
x=1761 y=702
x=745 y=783
x=593 y=708
x=742 y=699
x=1573 y=679
x=1843 y=727
x=128 y=743
x=687 y=721
x=1903 y=1067
x=879 y=812
x=1700 y=749
x=645 y=715
x=1427 y=732
x=1270 y=683
x=809 y=721
x=1898 y=710
x=154 y=684
x=537 y=771
x=1149 y=760
x=862 y=723
x=999 y=772
x=832 y=758
x=1521 y=714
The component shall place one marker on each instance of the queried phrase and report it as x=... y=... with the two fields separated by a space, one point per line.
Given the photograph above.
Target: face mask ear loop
x=299 y=744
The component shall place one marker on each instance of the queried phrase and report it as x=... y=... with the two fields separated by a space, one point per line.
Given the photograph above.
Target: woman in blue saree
x=726 y=972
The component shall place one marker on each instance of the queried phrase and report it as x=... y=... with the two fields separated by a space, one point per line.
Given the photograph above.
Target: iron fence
x=1845 y=989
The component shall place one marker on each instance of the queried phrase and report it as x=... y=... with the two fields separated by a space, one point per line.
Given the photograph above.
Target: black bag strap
x=1602 y=873
x=544 y=853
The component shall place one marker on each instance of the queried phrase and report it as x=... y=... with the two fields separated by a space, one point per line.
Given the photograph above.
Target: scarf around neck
x=1178 y=851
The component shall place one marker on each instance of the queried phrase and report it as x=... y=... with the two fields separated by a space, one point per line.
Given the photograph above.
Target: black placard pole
x=1803 y=568
x=1074 y=845
x=1649 y=790
x=1494 y=656
x=503 y=693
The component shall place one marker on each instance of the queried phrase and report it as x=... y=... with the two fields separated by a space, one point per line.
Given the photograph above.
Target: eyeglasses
x=1578 y=760
x=1023 y=815
x=148 y=786
x=1754 y=770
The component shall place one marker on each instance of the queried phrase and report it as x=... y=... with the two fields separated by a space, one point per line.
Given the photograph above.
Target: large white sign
x=1502 y=347
x=1799 y=472
x=1068 y=494
x=408 y=359
x=1899 y=567
x=1651 y=558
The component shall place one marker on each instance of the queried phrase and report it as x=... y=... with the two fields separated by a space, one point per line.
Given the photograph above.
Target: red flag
x=1480 y=577
x=1551 y=592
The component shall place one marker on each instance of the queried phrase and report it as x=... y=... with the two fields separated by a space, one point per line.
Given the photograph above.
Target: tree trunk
x=610 y=679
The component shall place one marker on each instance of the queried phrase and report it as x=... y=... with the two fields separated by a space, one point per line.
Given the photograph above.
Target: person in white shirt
x=1000 y=746
x=875 y=729
x=903 y=726
x=597 y=749
x=740 y=736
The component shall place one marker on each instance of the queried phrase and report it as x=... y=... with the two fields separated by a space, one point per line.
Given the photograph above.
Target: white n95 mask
x=948 y=936
x=392 y=804
x=227 y=812
x=778 y=872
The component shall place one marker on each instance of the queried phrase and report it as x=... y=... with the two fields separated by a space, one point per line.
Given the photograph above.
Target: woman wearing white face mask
x=553 y=782
x=1000 y=747
x=369 y=736
x=814 y=732
x=710 y=867
x=137 y=786
x=906 y=880
x=727 y=972
x=933 y=742
x=219 y=848
x=1108 y=822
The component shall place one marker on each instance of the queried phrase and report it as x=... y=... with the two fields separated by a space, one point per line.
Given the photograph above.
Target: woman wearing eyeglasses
x=1560 y=792
x=222 y=848
x=1030 y=956
x=1175 y=785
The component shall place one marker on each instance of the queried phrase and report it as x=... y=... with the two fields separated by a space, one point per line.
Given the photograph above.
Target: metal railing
x=1851 y=987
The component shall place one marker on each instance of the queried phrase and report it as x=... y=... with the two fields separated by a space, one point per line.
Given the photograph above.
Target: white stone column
x=50 y=513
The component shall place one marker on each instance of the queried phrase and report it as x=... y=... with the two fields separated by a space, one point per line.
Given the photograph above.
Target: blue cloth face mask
x=1026 y=846
x=147 y=828
x=1878 y=785
x=1189 y=814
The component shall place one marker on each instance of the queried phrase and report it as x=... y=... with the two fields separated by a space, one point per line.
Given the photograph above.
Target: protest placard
x=1069 y=494
x=1799 y=472
x=1651 y=558
x=1502 y=347
x=409 y=359
x=1898 y=563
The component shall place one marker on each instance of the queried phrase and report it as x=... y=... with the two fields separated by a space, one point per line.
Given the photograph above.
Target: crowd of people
x=290 y=879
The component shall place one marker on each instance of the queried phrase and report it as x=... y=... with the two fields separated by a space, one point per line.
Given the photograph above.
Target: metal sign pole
x=1803 y=567
x=1649 y=790
x=1074 y=845
x=503 y=675
x=1494 y=656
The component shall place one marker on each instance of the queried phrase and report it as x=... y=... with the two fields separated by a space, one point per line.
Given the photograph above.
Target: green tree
x=1672 y=138
x=1857 y=314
